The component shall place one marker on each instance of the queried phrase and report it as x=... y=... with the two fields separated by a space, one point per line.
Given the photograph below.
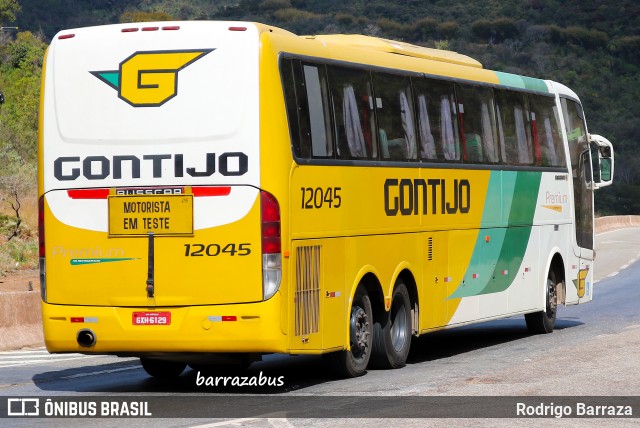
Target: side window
x=318 y=107
x=477 y=120
x=292 y=86
x=514 y=128
x=437 y=122
x=580 y=171
x=545 y=123
x=394 y=111
x=576 y=130
x=308 y=109
x=353 y=106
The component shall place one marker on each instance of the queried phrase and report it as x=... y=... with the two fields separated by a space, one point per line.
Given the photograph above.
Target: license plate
x=160 y=214
x=151 y=318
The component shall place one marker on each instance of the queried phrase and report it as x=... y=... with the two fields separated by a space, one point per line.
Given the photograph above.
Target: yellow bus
x=216 y=190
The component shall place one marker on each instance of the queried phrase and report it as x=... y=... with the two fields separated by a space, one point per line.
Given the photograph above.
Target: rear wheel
x=544 y=321
x=353 y=362
x=162 y=368
x=392 y=335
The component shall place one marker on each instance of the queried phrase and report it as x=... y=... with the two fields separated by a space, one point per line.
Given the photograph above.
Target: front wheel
x=392 y=335
x=544 y=321
x=353 y=362
x=162 y=368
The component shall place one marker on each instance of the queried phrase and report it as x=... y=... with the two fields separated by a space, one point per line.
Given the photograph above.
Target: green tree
x=495 y=31
x=20 y=70
x=139 y=16
x=8 y=10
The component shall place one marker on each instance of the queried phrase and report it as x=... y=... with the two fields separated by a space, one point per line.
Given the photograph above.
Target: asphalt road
x=593 y=352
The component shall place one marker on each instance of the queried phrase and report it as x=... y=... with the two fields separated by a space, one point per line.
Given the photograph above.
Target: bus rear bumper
x=251 y=327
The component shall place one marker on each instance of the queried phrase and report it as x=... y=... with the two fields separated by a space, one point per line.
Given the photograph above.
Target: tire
x=392 y=335
x=353 y=362
x=544 y=322
x=162 y=369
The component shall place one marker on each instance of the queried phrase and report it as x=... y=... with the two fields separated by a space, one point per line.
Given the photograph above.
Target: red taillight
x=41 y=226
x=237 y=28
x=130 y=30
x=211 y=190
x=88 y=193
x=150 y=28
x=270 y=224
x=171 y=28
x=66 y=36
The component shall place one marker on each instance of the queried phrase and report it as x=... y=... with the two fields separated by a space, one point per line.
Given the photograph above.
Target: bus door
x=582 y=176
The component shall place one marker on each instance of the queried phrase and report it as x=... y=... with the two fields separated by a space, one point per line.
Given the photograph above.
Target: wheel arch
x=412 y=287
x=556 y=264
x=368 y=279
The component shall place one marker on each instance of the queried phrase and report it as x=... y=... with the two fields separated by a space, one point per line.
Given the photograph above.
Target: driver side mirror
x=602 y=154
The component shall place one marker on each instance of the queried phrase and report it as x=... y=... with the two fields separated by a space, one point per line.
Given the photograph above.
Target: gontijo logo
x=150 y=79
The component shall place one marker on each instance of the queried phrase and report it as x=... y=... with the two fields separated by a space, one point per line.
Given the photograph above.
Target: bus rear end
x=156 y=237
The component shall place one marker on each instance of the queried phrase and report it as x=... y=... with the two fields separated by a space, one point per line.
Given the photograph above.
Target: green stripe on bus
x=535 y=84
x=516 y=240
x=504 y=245
x=80 y=262
x=512 y=80
x=497 y=202
x=522 y=82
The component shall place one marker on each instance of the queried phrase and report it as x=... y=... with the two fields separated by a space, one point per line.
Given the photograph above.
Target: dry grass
x=20 y=252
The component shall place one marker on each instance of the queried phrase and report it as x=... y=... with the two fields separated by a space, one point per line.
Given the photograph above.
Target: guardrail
x=605 y=224
x=20 y=320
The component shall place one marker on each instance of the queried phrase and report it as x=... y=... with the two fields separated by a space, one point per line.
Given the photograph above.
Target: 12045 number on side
x=318 y=197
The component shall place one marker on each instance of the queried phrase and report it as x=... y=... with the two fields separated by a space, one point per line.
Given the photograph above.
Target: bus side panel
x=436 y=309
x=318 y=295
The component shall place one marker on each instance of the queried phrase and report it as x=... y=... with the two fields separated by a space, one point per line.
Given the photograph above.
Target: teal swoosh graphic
x=499 y=251
x=79 y=262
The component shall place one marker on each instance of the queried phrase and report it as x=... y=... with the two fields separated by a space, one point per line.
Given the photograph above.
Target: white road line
x=615 y=230
x=36 y=362
x=38 y=356
x=279 y=423
x=35 y=359
x=25 y=351
x=232 y=422
x=602 y=336
x=120 y=369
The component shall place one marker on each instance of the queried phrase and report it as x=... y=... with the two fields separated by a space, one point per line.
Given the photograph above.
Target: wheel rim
x=398 y=325
x=552 y=301
x=359 y=332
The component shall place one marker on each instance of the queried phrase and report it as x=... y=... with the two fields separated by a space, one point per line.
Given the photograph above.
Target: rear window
x=195 y=83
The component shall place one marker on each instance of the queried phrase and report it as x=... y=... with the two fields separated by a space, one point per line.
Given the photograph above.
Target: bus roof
x=396 y=47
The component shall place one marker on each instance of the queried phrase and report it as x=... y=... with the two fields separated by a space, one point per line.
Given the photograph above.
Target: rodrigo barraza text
x=579 y=409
